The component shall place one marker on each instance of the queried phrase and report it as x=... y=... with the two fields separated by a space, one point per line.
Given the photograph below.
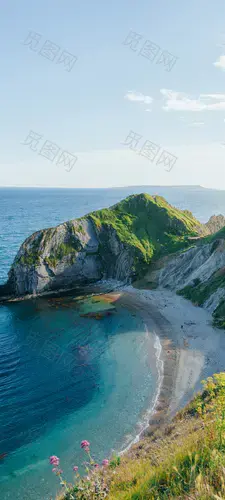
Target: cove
x=67 y=374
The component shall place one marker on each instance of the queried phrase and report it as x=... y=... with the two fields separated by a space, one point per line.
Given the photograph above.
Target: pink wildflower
x=54 y=460
x=54 y=470
x=75 y=468
x=96 y=466
x=105 y=462
x=84 y=444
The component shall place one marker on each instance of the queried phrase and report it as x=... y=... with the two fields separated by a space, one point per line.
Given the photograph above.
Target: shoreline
x=149 y=412
x=192 y=349
x=159 y=327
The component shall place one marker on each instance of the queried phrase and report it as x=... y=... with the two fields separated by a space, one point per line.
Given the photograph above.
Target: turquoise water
x=64 y=377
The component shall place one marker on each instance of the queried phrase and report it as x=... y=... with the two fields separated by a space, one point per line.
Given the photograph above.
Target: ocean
x=66 y=377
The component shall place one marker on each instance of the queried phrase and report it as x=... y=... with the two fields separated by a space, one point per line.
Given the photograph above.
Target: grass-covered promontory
x=147 y=226
x=150 y=225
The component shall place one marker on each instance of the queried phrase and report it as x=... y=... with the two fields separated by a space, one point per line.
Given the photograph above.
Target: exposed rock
x=214 y=300
x=215 y=223
x=67 y=256
x=198 y=274
x=115 y=243
x=198 y=263
x=119 y=243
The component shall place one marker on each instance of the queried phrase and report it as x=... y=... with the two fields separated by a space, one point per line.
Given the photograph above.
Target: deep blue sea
x=65 y=377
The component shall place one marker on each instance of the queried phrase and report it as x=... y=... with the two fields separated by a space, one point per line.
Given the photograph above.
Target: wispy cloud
x=180 y=101
x=134 y=96
x=220 y=63
x=196 y=124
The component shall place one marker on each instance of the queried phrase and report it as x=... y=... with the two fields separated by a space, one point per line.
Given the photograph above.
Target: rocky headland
x=140 y=237
x=168 y=256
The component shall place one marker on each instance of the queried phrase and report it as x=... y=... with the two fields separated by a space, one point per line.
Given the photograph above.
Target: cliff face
x=70 y=255
x=199 y=275
x=112 y=243
x=120 y=243
x=215 y=223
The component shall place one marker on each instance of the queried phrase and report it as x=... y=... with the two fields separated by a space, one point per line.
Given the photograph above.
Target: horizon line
x=112 y=187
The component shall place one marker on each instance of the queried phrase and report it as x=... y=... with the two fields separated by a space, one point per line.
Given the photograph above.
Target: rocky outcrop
x=67 y=256
x=195 y=265
x=113 y=243
x=119 y=243
x=215 y=223
x=198 y=274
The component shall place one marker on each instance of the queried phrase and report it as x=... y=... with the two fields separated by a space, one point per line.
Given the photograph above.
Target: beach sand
x=192 y=349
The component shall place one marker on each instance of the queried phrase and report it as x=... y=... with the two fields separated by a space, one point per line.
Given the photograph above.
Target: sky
x=105 y=94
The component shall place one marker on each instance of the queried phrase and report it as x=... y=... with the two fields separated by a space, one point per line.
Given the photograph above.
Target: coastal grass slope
x=199 y=292
x=183 y=460
x=115 y=243
x=124 y=243
x=147 y=223
x=150 y=224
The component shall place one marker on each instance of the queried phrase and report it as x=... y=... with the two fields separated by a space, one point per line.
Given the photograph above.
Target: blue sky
x=113 y=89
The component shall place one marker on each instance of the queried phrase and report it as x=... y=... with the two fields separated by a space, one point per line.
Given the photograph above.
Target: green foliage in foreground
x=184 y=460
x=190 y=462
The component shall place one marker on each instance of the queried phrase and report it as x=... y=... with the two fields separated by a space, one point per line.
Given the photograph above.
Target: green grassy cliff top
x=150 y=224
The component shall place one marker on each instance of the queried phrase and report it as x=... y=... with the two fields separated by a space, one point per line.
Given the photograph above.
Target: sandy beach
x=192 y=349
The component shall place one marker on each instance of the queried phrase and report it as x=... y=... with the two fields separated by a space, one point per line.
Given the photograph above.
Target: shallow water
x=65 y=378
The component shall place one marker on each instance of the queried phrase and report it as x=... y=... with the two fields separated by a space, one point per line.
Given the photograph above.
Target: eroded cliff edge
x=119 y=243
x=140 y=236
x=197 y=274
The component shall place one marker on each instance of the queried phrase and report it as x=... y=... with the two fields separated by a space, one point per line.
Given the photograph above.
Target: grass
x=219 y=235
x=149 y=226
x=199 y=292
x=219 y=315
x=35 y=249
x=183 y=460
x=62 y=250
x=31 y=254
